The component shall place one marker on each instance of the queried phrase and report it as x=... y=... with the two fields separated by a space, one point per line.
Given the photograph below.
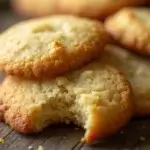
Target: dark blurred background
x=7 y=16
x=4 y=4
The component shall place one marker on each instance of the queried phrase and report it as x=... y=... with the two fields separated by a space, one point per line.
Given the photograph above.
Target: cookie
x=34 y=8
x=131 y=28
x=99 y=9
x=50 y=46
x=136 y=70
x=96 y=97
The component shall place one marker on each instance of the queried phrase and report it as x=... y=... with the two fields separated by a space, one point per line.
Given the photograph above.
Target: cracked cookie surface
x=50 y=46
x=136 y=70
x=96 y=97
x=131 y=28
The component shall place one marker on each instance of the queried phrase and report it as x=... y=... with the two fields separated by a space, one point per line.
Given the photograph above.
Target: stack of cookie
x=54 y=75
x=130 y=27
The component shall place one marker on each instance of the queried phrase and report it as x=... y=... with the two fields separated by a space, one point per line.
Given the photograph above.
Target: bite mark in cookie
x=96 y=97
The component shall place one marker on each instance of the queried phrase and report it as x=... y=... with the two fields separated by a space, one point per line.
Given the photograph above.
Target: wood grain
x=67 y=137
x=63 y=137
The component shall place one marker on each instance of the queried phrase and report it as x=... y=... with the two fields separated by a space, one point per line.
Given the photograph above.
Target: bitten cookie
x=50 y=46
x=131 y=28
x=96 y=97
x=99 y=9
x=136 y=70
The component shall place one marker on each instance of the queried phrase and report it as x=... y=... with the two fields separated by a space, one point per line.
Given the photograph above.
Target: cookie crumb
x=1 y=141
x=142 y=139
x=30 y=147
x=40 y=147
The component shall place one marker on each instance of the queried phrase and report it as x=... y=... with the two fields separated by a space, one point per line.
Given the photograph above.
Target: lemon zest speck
x=1 y=141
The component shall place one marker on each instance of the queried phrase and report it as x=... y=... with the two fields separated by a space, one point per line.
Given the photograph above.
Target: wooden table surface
x=67 y=137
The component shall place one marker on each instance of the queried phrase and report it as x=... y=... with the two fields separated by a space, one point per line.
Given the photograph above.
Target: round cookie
x=131 y=28
x=50 y=46
x=34 y=8
x=96 y=97
x=136 y=70
x=99 y=9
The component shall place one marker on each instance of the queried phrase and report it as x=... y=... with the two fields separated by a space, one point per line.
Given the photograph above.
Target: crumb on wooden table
x=142 y=139
x=40 y=147
x=30 y=147
x=1 y=141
